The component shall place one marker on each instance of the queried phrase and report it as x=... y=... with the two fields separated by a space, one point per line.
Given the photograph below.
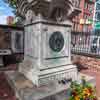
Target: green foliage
x=83 y=91
x=12 y=3
x=14 y=6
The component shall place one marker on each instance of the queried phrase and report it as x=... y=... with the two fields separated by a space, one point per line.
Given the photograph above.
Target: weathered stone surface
x=43 y=19
x=52 y=91
x=48 y=8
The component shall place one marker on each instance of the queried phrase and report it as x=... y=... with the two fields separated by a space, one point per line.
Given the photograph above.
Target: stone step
x=51 y=91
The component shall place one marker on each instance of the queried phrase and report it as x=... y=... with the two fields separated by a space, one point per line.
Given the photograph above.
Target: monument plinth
x=47 y=40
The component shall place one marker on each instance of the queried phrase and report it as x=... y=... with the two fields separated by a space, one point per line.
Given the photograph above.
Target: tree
x=13 y=5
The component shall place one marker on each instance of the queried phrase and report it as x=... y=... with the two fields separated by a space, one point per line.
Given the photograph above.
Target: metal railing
x=85 y=44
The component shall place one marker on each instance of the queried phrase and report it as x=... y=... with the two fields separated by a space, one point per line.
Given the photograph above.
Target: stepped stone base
x=44 y=76
x=26 y=90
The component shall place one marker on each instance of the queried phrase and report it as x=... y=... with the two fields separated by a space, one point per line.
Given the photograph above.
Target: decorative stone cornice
x=49 y=9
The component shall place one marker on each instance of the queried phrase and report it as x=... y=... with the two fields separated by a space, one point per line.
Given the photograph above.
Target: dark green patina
x=56 y=41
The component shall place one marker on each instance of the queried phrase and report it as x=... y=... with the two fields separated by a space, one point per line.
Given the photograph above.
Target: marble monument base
x=45 y=76
x=26 y=90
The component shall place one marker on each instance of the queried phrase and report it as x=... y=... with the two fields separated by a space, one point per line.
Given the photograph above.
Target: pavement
x=6 y=92
x=96 y=74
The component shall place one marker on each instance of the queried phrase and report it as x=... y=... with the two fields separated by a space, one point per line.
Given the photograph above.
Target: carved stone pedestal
x=47 y=54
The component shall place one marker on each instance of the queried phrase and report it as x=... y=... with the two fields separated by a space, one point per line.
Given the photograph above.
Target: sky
x=5 y=11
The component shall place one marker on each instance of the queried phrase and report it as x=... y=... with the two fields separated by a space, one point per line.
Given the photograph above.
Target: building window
x=85 y=5
x=18 y=41
x=85 y=28
x=97 y=6
x=85 y=16
x=78 y=27
x=90 y=9
x=97 y=16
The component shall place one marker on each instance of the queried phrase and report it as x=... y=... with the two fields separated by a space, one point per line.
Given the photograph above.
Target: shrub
x=83 y=91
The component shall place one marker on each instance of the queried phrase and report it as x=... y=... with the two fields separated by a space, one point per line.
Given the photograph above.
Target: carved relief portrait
x=30 y=15
x=56 y=41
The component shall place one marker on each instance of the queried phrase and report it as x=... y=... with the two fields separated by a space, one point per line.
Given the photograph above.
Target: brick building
x=10 y=20
x=97 y=17
x=83 y=22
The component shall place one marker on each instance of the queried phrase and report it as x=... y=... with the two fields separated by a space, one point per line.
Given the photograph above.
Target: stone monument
x=47 y=54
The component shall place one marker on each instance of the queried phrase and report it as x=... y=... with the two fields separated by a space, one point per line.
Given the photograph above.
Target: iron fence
x=85 y=44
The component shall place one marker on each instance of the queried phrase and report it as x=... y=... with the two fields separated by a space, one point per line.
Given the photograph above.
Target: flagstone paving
x=96 y=74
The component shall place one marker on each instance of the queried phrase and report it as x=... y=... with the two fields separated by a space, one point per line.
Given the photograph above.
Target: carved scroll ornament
x=57 y=10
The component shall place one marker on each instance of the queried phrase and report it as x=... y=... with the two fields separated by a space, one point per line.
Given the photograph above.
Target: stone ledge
x=25 y=90
x=88 y=78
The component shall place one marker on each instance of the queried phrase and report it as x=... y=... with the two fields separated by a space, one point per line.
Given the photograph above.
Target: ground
x=96 y=74
x=7 y=93
x=89 y=66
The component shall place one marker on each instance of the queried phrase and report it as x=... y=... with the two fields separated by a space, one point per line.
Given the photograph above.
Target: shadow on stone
x=80 y=66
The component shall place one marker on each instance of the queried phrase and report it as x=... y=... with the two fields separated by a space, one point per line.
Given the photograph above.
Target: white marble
x=27 y=91
x=41 y=64
x=36 y=65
